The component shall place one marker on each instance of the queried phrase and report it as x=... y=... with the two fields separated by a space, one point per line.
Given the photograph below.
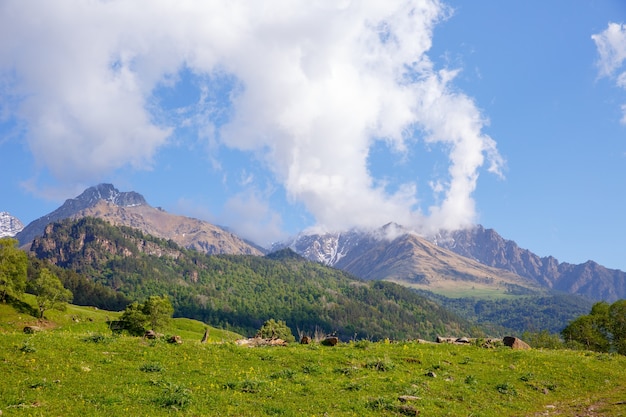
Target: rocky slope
x=9 y=225
x=488 y=247
x=477 y=258
x=394 y=254
x=130 y=209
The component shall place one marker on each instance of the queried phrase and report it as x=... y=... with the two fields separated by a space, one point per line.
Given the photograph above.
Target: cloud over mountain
x=315 y=85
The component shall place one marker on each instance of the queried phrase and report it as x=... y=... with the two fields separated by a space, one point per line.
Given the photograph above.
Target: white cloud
x=320 y=83
x=611 y=46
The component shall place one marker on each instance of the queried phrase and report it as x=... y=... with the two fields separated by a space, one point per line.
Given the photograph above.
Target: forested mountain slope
x=241 y=292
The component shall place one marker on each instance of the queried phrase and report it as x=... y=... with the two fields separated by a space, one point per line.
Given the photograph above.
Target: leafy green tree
x=134 y=319
x=158 y=310
x=617 y=325
x=155 y=313
x=273 y=329
x=13 y=269
x=50 y=292
x=602 y=330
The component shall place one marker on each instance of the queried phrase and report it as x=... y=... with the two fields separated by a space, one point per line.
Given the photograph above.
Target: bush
x=273 y=329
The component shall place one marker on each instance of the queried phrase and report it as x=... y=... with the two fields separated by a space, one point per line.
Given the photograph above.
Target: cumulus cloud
x=319 y=84
x=611 y=46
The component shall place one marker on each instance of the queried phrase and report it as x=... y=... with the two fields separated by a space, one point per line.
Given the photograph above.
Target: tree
x=587 y=331
x=159 y=311
x=135 y=321
x=602 y=330
x=13 y=269
x=50 y=292
x=155 y=313
x=273 y=329
x=617 y=325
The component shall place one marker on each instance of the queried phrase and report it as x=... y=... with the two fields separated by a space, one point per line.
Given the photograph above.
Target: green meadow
x=75 y=366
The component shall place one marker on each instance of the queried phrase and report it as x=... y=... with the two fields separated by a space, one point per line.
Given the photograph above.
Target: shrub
x=273 y=329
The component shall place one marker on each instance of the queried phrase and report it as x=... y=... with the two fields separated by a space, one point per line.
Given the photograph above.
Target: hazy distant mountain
x=104 y=201
x=394 y=254
x=477 y=259
x=488 y=247
x=9 y=225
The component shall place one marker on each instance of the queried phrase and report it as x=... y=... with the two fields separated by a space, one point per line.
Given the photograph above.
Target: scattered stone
x=515 y=343
x=330 y=341
x=258 y=341
x=407 y=398
x=175 y=339
x=205 y=338
x=305 y=340
x=407 y=410
x=151 y=334
x=431 y=374
x=32 y=329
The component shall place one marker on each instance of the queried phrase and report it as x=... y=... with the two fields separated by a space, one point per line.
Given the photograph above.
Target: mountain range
x=473 y=262
x=464 y=262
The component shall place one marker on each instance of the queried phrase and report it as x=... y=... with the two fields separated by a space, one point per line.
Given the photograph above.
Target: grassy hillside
x=78 y=368
x=241 y=292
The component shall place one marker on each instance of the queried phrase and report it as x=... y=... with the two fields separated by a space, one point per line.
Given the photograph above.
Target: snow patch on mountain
x=9 y=225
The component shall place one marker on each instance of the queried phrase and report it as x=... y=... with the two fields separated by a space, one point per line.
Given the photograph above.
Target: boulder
x=205 y=338
x=32 y=329
x=330 y=341
x=150 y=334
x=175 y=339
x=515 y=343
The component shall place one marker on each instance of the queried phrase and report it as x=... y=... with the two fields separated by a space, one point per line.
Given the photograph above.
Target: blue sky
x=277 y=116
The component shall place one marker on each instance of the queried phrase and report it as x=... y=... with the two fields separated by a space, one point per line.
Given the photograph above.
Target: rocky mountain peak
x=108 y=192
x=87 y=199
x=9 y=225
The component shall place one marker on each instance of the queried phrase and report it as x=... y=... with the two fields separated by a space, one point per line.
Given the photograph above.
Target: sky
x=279 y=116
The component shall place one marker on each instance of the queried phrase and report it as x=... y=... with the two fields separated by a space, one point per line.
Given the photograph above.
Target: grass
x=73 y=369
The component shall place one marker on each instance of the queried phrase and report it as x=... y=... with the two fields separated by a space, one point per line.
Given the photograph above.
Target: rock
x=32 y=329
x=257 y=341
x=150 y=334
x=462 y=340
x=175 y=339
x=431 y=374
x=407 y=410
x=205 y=338
x=515 y=343
x=406 y=398
x=305 y=340
x=330 y=341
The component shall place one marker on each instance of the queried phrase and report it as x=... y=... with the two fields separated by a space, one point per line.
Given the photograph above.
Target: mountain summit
x=9 y=225
x=130 y=209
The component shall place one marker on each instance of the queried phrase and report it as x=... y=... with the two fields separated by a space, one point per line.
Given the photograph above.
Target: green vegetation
x=602 y=330
x=242 y=292
x=273 y=329
x=154 y=313
x=13 y=264
x=517 y=314
x=76 y=366
x=50 y=292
